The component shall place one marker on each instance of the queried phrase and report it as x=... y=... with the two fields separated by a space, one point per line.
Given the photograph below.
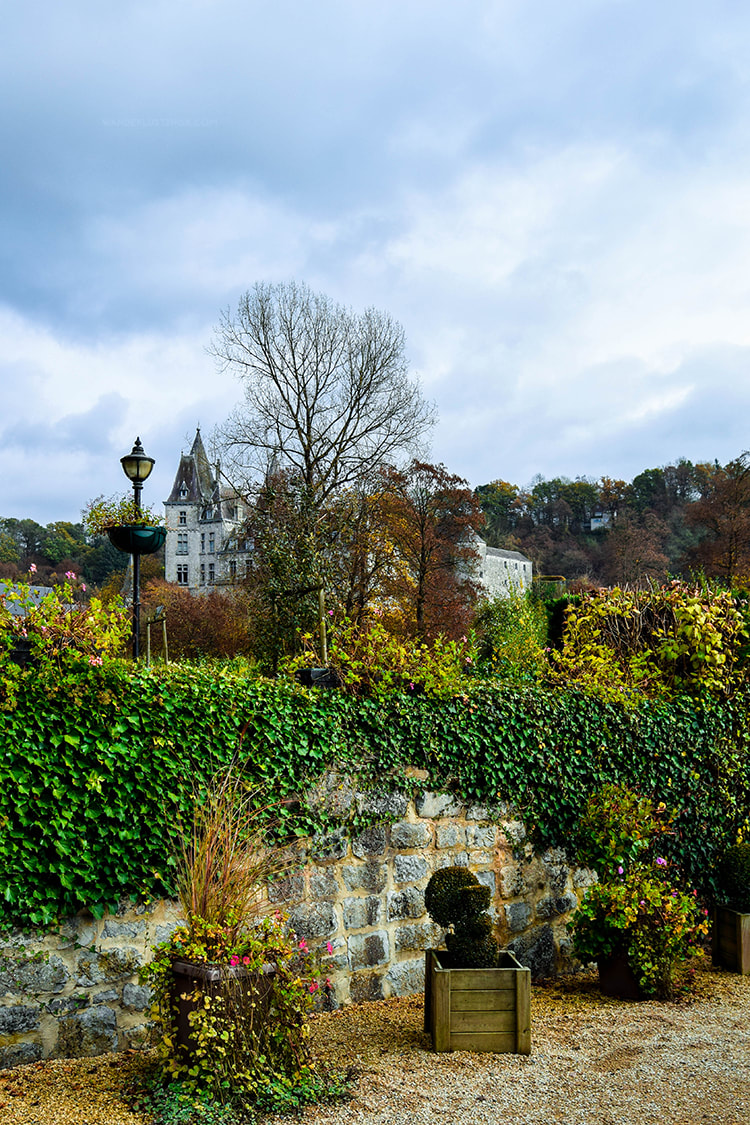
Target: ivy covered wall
x=95 y=764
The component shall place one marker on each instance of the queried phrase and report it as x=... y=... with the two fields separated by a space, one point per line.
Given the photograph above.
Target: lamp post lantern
x=137 y=467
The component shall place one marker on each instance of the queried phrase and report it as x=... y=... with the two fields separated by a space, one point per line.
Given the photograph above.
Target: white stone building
x=500 y=572
x=203 y=519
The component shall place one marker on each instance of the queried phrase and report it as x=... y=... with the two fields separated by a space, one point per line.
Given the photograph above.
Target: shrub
x=512 y=637
x=635 y=909
x=734 y=878
x=455 y=897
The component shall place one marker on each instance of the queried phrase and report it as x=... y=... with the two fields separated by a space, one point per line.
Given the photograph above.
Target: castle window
x=211 y=543
x=203 y=541
x=182 y=575
x=232 y=568
x=183 y=492
x=203 y=574
x=183 y=519
x=211 y=573
x=182 y=543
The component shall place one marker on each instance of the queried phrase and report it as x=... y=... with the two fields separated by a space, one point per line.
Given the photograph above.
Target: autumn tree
x=724 y=512
x=327 y=394
x=432 y=518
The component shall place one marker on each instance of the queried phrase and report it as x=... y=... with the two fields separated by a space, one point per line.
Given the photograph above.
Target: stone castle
x=205 y=546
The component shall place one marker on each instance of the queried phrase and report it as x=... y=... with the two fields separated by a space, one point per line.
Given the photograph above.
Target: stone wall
x=77 y=992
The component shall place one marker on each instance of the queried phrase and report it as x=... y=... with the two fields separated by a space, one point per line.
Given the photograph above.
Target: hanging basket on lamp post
x=137 y=539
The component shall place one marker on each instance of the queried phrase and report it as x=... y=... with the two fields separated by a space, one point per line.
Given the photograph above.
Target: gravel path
x=594 y=1062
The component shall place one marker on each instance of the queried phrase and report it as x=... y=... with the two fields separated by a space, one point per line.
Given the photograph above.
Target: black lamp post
x=137 y=466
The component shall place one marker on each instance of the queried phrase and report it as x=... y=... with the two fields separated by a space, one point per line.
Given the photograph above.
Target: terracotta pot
x=616 y=978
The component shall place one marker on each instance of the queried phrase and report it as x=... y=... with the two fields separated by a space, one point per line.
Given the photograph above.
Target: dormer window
x=183 y=492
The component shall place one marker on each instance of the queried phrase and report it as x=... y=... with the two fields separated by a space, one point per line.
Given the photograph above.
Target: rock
x=122 y=930
x=517 y=915
x=536 y=950
x=368 y=950
x=91 y=1032
x=409 y=868
x=291 y=889
x=17 y=1018
x=411 y=938
x=360 y=912
x=32 y=975
x=433 y=805
x=481 y=837
x=323 y=884
x=405 y=835
x=136 y=996
x=551 y=907
x=450 y=835
x=512 y=881
x=313 y=920
x=369 y=876
x=331 y=845
x=380 y=802
x=408 y=903
x=406 y=977
x=370 y=842
x=366 y=986
x=16 y=1054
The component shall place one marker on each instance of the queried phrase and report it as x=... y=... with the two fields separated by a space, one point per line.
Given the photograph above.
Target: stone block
x=368 y=950
x=33 y=975
x=433 y=805
x=365 y=986
x=330 y=845
x=536 y=950
x=164 y=931
x=408 y=903
x=406 y=977
x=67 y=1004
x=409 y=868
x=370 y=842
x=481 y=836
x=487 y=879
x=512 y=881
x=552 y=907
x=291 y=889
x=410 y=938
x=454 y=859
x=107 y=965
x=91 y=1032
x=517 y=916
x=479 y=859
x=333 y=794
x=370 y=876
x=134 y=1038
x=122 y=930
x=557 y=878
x=323 y=884
x=405 y=835
x=360 y=912
x=16 y=1054
x=381 y=802
x=110 y=996
x=136 y=996
x=17 y=1018
x=514 y=832
x=313 y=920
x=450 y=836
x=584 y=877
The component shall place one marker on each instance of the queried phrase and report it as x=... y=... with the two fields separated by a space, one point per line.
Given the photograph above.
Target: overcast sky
x=551 y=197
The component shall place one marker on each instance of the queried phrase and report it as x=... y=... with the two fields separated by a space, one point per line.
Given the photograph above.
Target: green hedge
x=93 y=766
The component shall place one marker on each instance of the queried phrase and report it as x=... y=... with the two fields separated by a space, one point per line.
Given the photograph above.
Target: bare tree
x=326 y=391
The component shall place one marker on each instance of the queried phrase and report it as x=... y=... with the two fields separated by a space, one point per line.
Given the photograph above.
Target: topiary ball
x=734 y=879
x=444 y=894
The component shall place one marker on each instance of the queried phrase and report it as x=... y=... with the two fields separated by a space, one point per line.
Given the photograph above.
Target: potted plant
x=232 y=987
x=131 y=528
x=635 y=922
x=477 y=997
x=731 y=929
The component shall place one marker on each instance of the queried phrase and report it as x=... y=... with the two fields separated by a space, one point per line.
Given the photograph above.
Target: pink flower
x=95 y=661
x=329 y=947
x=303 y=946
x=660 y=861
x=32 y=569
x=245 y=960
x=234 y=960
x=83 y=587
x=620 y=870
x=643 y=902
x=70 y=574
x=328 y=982
x=313 y=987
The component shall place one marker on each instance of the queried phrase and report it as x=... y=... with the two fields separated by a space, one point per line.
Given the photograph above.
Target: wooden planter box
x=477 y=1009
x=730 y=939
